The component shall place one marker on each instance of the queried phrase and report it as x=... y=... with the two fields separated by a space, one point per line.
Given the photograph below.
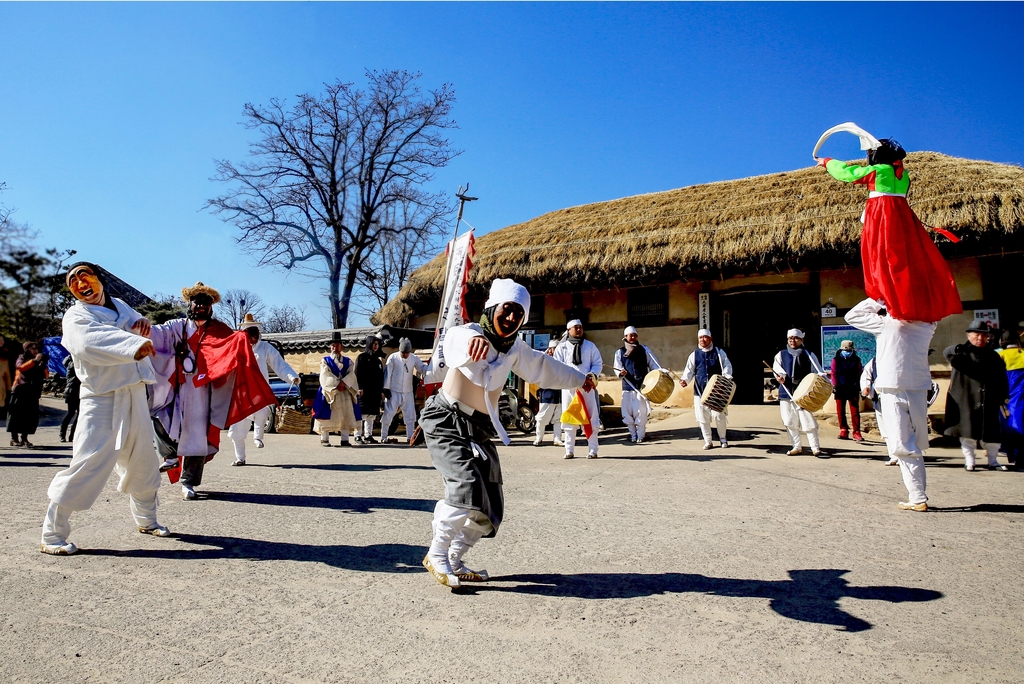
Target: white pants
x=706 y=415
x=239 y=430
x=798 y=420
x=635 y=411
x=456 y=530
x=549 y=413
x=967 y=446
x=569 y=431
x=105 y=442
x=368 y=420
x=325 y=436
x=399 y=401
x=905 y=416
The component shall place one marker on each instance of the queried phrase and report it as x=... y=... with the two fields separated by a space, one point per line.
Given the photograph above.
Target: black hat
x=336 y=337
x=979 y=327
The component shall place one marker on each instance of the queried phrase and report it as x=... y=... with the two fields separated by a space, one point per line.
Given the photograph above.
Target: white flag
x=453 y=302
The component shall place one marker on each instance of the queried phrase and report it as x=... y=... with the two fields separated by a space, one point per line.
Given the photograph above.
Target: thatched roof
x=792 y=220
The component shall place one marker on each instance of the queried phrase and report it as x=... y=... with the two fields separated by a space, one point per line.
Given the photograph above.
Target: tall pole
x=463 y=198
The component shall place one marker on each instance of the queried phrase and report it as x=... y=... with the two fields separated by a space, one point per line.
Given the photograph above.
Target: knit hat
x=507 y=290
x=846 y=345
x=405 y=345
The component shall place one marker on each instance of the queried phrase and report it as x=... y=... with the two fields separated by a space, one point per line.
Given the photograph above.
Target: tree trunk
x=338 y=319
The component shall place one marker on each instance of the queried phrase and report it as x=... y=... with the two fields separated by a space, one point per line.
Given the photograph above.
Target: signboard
x=987 y=317
x=833 y=335
x=704 y=310
x=829 y=311
x=540 y=342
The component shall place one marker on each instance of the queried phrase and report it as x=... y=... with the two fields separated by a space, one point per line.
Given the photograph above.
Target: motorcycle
x=520 y=417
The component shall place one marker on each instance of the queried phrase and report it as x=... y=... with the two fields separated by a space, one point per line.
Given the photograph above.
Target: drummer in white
x=707 y=360
x=791 y=365
x=632 y=363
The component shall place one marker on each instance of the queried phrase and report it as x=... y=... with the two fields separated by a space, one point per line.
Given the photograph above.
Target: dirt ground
x=654 y=563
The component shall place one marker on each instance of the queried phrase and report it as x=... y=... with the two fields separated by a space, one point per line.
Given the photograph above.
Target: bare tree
x=13 y=235
x=234 y=304
x=399 y=253
x=315 y=197
x=285 y=318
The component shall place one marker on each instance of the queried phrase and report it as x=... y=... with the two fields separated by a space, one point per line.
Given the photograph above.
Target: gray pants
x=462 y=451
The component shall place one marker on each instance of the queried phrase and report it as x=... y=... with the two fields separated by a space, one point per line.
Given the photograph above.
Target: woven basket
x=291 y=421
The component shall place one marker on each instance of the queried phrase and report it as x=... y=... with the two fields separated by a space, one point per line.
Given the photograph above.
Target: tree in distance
x=326 y=176
x=234 y=304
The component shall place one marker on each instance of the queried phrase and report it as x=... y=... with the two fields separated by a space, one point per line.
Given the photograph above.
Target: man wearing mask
x=209 y=379
x=707 y=360
x=633 y=361
x=267 y=358
x=107 y=339
x=582 y=354
x=399 y=390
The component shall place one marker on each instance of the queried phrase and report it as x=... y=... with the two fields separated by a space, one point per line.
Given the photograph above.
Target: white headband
x=629 y=330
x=506 y=290
x=573 y=323
x=552 y=344
x=795 y=332
x=703 y=332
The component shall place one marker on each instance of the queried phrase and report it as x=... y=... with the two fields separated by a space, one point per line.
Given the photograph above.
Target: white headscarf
x=795 y=332
x=507 y=290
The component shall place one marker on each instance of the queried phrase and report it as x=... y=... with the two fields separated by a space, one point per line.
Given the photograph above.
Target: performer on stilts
x=107 y=339
x=460 y=420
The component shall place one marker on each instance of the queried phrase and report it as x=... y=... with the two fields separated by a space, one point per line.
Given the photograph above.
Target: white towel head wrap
x=628 y=330
x=795 y=332
x=703 y=332
x=507 y=290
x=573 y=323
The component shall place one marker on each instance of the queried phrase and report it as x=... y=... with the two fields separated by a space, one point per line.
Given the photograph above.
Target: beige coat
x=5 y=380
x=342 y=400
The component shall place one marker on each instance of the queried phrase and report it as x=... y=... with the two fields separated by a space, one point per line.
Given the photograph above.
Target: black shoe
x=63 y=439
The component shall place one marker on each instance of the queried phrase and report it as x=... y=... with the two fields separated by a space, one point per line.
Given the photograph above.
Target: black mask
x=200 y=308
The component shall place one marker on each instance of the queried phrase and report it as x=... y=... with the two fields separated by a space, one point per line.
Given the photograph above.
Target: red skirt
x=902 y=266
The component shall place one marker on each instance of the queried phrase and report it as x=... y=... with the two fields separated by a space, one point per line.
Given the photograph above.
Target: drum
x=658 y=386
x=718 y=393
x=812 y=392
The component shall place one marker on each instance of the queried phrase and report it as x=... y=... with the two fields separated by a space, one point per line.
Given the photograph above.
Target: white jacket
x=398 y=372
x=268 y=357
x=491 y=372
x=902 y=347
x=103 y=347
x=590 y=357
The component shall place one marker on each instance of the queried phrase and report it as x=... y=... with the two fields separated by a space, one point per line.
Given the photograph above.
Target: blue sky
x=111 y=114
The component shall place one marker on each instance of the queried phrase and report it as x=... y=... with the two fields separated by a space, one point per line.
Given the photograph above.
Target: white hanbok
x=902 y=382
x=590 y=362
x=635 y=407
x=267 y=358
x=114 y=429
x=398 y=376
x=796 y=419
x=703 y=414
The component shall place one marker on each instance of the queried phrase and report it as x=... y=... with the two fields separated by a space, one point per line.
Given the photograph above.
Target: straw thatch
x=793 y=220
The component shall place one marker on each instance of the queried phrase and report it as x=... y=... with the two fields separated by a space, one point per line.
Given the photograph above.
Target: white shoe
x=569 y=456
x=892 y=461
x=259 y=443
x=708 y=445
x=168 y=464
x=725 y=445
x=592 y=454
x=326 y=444
x=467 y=574
x=632 y=439
x=537 y=442
x=65 y=549
x=558 y=442
x=156 y=530
x=187 y=493
x=238 y=462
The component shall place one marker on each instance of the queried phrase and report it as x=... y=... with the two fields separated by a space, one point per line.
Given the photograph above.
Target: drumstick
x=622 y=377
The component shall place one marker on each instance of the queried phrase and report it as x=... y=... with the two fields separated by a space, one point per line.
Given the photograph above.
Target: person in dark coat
x=370 y=375
x=978 y=390
x=71 y=395
x=23 y=406
x=845 y=376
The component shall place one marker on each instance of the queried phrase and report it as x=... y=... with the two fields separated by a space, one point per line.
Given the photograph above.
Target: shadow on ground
x=807 y=596
x=373 y=558
x=343 y=467
x=979 y=508
x=348 y=504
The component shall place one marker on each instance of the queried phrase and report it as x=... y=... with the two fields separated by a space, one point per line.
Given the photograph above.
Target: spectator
x=30 y=371
x=977 y=391
x=550 y=407
x=6 y=376
x=1013 y=418
x=845 y=376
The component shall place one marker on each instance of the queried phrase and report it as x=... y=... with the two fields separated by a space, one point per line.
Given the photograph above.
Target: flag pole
x=463 y=198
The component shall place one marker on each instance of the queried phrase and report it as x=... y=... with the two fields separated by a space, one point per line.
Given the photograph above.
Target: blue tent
x=57 y=352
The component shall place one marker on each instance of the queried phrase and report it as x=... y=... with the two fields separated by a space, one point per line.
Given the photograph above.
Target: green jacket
x=879 y=177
